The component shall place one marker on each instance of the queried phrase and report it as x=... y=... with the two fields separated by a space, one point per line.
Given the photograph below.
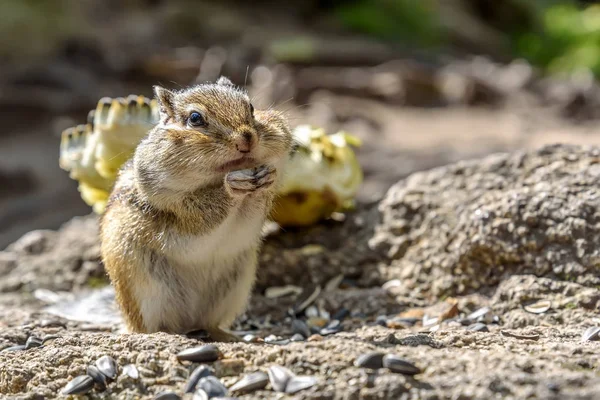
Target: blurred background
x=421 y=82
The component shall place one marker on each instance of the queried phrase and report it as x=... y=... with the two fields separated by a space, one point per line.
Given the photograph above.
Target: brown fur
x=177 y=189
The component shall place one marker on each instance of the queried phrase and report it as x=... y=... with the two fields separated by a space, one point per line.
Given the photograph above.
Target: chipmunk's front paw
x=250 y=180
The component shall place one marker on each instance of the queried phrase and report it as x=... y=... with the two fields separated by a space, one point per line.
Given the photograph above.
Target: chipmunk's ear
x=224 y=81
x=165 y=99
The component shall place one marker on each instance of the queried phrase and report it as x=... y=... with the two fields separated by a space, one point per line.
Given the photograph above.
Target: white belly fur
x=201 y=263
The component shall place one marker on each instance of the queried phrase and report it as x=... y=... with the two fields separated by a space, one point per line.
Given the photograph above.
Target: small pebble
x=98 y=377
x=373 y=360
x=279 y=377
x=251 y=382
x=52 y=323
x=590 y=334
x=316 y=322
x=212 y=386
x=167 y=395
x=312 y=312
x=399 y=365
x=131 y=371
x=33 y=341
x=250 y=338
x=15 y=348
x=297 y=338
x=280 y=342
x=206 y=353
x=200 y=372
x=271 y=338
x=200 y=334
x=79 y=385
x=299 y=326
x=108 y=366
x=478 y=327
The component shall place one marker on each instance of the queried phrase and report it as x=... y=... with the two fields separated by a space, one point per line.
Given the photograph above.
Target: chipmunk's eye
x=196 y=119
x=252 y=110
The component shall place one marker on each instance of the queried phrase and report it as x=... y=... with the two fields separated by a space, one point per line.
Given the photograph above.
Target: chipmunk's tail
x=94 y=152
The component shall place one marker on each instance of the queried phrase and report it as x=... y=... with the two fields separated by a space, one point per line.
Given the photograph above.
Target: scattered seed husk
x=333 y=327
x=167 y=395
x=430 y=321
x=306 y=298
x=475 y=315
x=591 y=334
x=281 y=291
x=200 y=372
x=394 y=283
x=33 y=341
x=399 y=365
x=98 y=377
x=518 y=336
x=206 y=353
x=131 y=371
x=297 y=338
x=298 y=383
x=478 y=327
x=212 y=386
x=334 y=283
x=200 y=395
x=79 y=385
x=251 y=382
x=279 y=377
x=299 y=326
x=381 y=320
x=372 y=360
x=48 y=338
x=341 y=314
x=538 y=307
x=108 y=366
x=15 y=348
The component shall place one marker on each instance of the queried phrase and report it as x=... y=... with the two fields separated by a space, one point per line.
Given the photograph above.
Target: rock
x=54 y=260
x=467 y=226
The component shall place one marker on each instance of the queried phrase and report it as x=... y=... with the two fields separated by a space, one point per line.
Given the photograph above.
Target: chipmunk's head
x=210 y=129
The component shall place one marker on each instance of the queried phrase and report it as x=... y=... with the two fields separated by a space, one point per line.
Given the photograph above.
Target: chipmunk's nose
x=244 y=142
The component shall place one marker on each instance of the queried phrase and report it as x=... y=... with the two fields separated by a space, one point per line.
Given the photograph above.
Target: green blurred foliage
x=570 y=40
x=33 y=28
x=561 y=36
x=410 y=21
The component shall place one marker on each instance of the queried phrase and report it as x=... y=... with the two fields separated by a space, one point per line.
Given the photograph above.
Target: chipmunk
x=182 y=226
